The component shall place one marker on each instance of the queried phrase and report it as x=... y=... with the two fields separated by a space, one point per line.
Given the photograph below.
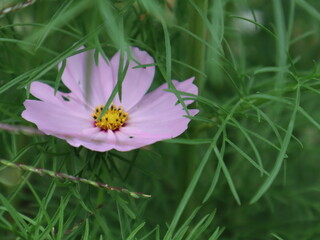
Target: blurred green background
x=247 y=167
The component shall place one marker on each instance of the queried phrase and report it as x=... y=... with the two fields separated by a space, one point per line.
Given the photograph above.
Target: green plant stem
x=63 y=176
x=196 y=49
x=196 y=59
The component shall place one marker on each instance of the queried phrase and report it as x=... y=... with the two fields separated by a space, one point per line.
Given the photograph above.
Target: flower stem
x=16 y=7
x=63 y=176
x=20 y=129
x=196 y=58
x=196 y=54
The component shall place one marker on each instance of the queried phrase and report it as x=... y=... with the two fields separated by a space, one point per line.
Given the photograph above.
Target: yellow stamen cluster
x=113 y=119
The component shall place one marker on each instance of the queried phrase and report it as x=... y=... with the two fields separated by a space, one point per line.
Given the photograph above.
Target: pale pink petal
x=100 y=141
x=106 y=140
x=52 y=118
x=127 y=142
x=45 y=92
x=156 y=117
x=152 y=117
x=162 y=103
x=186 y=86
x=160 y=126
x=68 y=120
x=137 y=80
x=87 y=81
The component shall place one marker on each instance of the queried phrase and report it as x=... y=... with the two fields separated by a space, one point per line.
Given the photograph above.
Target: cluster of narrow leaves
x=247 y=168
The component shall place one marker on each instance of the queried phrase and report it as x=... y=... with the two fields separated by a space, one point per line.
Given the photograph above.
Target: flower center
x=113 y=119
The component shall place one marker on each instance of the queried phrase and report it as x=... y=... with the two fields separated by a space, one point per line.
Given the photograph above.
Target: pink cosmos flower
x=139 y=119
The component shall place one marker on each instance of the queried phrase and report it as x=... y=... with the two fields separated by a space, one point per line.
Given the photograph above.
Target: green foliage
x=247 y=168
